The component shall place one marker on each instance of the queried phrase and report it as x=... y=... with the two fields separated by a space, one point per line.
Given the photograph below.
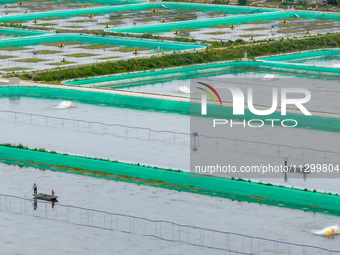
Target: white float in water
x=64 y=105
x=184 y=90
x=327 y=231
x=269 y=77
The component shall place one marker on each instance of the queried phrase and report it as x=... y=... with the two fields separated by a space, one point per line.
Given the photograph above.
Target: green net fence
x=305 y=56
x=163 y=45
x=228 y=21
x=299 y=69
x=213 y=8
x=21 y=32
x=101 y=2
x=145 y=103
x=327 y=203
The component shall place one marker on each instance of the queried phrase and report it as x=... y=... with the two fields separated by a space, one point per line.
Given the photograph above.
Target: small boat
x=45 y=197
x=333 y=232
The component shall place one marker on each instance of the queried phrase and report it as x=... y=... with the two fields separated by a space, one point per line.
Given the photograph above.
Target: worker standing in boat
x=35 y=188
x=52 y=193
x=286 y=160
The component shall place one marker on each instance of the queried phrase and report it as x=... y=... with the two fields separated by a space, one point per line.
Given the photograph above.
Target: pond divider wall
x=304 y=55
x=139 y=78
x=261 y=193
x=86 y=39
x=21 y=32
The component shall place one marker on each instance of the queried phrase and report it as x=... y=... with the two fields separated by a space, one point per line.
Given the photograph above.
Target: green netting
x=304 y=55
x=318 y=15
x=144 y=103
x=299 y=69
x=131 y=7
x=22 y=32
x=200 y=70
x=259 y=192
x=102 y=2
x=231 y=20
x=214 y=8
x=22 y=42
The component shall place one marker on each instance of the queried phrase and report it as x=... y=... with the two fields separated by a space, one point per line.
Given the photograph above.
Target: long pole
x=28 y=192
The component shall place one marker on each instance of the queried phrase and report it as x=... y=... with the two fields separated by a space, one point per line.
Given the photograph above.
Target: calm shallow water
x=125 y=145
x=98 y=113
x=173 y=87
x=325 y=92
x=34 y=234
x=31 y=235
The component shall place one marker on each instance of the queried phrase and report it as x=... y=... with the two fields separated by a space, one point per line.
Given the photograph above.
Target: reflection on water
x=325 y=92
x=35 y=204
